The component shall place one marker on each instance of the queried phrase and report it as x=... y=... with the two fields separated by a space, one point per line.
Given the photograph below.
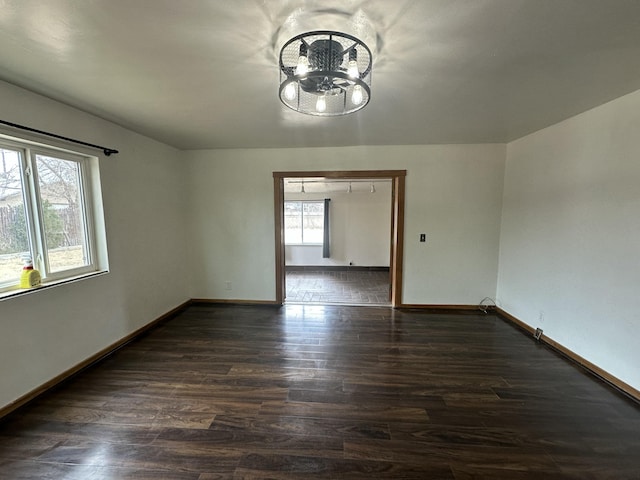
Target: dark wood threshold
x=334 y=268
x=593 y=369
x=209 y=301
x=436 y=308
x=91 y=361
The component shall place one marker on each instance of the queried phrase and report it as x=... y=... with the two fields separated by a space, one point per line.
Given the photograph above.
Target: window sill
x=18 y=292
x=303 y=244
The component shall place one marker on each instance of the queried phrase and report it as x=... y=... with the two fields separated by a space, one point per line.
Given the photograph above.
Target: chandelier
x=325 y=73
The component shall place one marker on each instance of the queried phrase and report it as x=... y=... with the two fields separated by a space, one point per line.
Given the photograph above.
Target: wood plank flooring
x=327 y=392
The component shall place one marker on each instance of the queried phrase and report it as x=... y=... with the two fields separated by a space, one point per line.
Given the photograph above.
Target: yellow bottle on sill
x=30 y=276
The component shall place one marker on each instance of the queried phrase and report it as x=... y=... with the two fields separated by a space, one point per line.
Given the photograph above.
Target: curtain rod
x=107 y=151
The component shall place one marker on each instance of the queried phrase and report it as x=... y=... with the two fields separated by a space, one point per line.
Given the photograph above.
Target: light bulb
x=352 y=66
x=356 y=96
x=321 y=104
x=303 y=65
x=290 y=91
x=352 y=69
x=302 y=68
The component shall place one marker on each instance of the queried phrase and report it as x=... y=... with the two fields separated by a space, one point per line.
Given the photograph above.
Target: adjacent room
x=319 y=239
x=337 y=235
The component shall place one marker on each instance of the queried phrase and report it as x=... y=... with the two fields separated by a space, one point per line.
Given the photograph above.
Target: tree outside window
x=43 y=213
x=303 y=222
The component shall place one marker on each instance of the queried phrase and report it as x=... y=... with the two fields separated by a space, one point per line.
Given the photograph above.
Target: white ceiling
x=203 y=73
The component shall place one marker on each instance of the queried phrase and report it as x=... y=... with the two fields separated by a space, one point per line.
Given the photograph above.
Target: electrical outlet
x=423 y=237
x=227 y=285
x=538 y=334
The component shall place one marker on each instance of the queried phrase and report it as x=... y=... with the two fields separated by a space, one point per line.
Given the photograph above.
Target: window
x=46 y=212
x=303 y=222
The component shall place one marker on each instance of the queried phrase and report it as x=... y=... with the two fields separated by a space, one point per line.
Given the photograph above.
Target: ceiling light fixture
x=325 y=73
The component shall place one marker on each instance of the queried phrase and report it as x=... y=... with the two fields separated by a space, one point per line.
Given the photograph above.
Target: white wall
x=360 y=229
x=49 y=331
x=454 y=195
x=570 y=235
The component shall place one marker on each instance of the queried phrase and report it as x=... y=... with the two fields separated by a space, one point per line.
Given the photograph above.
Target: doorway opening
x=302 y=275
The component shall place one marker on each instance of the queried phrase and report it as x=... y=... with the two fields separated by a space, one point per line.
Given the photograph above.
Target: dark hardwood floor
x=301 y=392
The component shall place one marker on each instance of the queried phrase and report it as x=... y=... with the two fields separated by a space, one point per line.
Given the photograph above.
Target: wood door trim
x=397 y=220
x=398 y=239
x=386 y=174
x=278 y=192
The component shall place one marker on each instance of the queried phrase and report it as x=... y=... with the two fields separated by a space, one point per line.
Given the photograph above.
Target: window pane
x=292 y=222
x=303 y=222
x=313 y=222
x=62 y=213
x=14 y=237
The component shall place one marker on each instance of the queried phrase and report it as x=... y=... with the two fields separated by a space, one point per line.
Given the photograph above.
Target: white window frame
x=303 y=243
x=89 y=194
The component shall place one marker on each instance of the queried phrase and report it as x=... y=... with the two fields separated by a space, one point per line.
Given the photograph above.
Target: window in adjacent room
x=47 y=202
x=303 y=222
